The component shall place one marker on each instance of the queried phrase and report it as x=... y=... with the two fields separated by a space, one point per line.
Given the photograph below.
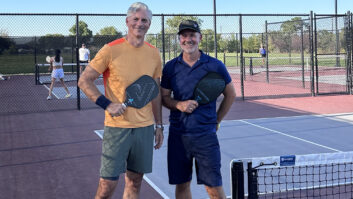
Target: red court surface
x=57 y=154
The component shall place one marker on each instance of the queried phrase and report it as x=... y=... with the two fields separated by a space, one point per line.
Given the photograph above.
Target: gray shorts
x=126 y=148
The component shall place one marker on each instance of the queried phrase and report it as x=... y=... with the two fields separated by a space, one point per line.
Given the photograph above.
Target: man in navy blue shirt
x=193 y=127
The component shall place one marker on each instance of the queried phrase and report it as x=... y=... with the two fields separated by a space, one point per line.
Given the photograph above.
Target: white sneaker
x=49 y=97
x=67 y=95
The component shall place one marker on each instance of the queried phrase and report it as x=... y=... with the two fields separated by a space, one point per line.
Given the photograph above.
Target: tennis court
x=244 y=139
x=57 y=154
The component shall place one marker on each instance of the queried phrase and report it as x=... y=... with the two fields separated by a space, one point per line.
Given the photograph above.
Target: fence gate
x=331 y=55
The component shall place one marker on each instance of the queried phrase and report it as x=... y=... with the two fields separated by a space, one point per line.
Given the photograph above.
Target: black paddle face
x=141 y=92
x=209 y=88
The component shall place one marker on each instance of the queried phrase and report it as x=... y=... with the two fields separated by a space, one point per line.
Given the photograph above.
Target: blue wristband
x=103 y=102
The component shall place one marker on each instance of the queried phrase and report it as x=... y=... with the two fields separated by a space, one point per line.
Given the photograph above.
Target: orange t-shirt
x=122 y=64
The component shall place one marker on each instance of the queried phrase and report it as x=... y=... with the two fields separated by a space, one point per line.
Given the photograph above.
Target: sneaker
x=49 y=97
x=67 y=95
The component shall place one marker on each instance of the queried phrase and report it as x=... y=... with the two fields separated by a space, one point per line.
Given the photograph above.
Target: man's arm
x=229 y=97
x=157 y=113
x=86 y=84
x=187 y=106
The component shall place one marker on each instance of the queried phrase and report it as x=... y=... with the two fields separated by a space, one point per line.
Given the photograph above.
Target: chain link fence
x=307 y=54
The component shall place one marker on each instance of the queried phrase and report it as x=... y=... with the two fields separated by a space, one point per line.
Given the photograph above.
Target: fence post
x=241 y=57
x=311 y=35
x=77 y=64
x=224 y=57
x=267 y=52
x=302 y=53
x=215 y=28
x=316 y=70
x=163 y=40
x=36 y=68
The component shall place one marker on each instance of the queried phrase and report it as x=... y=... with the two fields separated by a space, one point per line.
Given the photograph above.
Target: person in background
x=192 y=130
x=56 y=66
x=262 y=52
x=128 y=132
x=85 y=56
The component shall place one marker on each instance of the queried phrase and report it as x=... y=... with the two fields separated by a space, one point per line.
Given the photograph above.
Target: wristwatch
x=159 y=126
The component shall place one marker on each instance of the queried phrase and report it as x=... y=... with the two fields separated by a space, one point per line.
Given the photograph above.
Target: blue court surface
x=244 y=139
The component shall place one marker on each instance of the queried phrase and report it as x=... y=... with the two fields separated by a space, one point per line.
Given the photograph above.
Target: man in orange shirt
x=128 y=132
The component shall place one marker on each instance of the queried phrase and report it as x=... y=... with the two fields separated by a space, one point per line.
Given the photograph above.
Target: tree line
x=288 y=38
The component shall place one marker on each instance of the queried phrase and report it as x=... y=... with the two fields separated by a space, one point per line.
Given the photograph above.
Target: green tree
x=49 y=42
x=232 y=44
x=84 y=32
x=5 y=41
x=106 y=35
x=326 y=41
x=109 y=30
x=173 y=23
x=289 y=29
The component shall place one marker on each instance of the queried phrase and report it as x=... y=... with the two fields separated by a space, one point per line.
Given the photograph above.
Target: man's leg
x=106 y=188
x=132 y=184
x=183 y=191
x=215 y=192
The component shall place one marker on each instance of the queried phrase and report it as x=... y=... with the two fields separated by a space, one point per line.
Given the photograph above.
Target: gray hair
x=135 y=7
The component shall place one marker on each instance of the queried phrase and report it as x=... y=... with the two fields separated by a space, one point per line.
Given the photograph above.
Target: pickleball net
x=326 y=175
x=43 y=76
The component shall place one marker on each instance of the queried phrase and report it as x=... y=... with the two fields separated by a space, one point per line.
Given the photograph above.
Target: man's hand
x=187 y=106
x=116 y=109
x=158 y=138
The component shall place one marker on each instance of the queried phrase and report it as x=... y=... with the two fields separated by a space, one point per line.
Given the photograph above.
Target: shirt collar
x=203 y=57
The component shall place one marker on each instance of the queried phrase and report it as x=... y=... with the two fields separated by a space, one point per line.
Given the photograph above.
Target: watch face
x=159 y=126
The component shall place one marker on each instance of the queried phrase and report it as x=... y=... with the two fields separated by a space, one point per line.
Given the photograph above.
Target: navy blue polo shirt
x=181 y=79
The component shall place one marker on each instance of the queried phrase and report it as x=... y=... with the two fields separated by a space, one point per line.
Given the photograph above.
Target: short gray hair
x=135 y=7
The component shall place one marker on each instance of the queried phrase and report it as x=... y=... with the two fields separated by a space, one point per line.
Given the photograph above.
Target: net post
x=251 y=67
x=237 y=179
x=252 y=182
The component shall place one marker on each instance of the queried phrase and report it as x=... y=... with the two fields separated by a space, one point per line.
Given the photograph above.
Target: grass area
x=24 y=64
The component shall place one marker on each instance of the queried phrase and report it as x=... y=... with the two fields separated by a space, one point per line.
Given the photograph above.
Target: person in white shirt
x=84 y=56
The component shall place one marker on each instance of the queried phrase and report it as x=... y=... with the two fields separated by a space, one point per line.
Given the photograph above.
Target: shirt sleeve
x=223 y=70
x=102 y=60
x=158 y=70
x=165 y=83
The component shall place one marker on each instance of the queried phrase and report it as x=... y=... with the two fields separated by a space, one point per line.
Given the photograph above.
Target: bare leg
x=106 y=188
x=215 y=192
x=63 y=83
x=132 y=185
x=183 y=191
x=51 y=86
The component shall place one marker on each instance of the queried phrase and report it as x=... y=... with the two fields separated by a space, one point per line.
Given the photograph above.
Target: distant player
x=262 y=52
x=85 y=56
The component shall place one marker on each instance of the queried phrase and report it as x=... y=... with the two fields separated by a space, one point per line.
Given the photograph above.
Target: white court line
x=155 y=187
x=53 y=93
x=297 y=138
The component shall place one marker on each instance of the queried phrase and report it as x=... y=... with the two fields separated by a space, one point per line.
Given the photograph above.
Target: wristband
x=103 y=102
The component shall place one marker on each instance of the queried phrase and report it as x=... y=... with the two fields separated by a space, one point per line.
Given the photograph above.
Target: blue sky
x=177 y=6
x=37 y=26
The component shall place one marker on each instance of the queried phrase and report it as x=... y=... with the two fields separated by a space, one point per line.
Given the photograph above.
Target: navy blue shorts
x=183 y=149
